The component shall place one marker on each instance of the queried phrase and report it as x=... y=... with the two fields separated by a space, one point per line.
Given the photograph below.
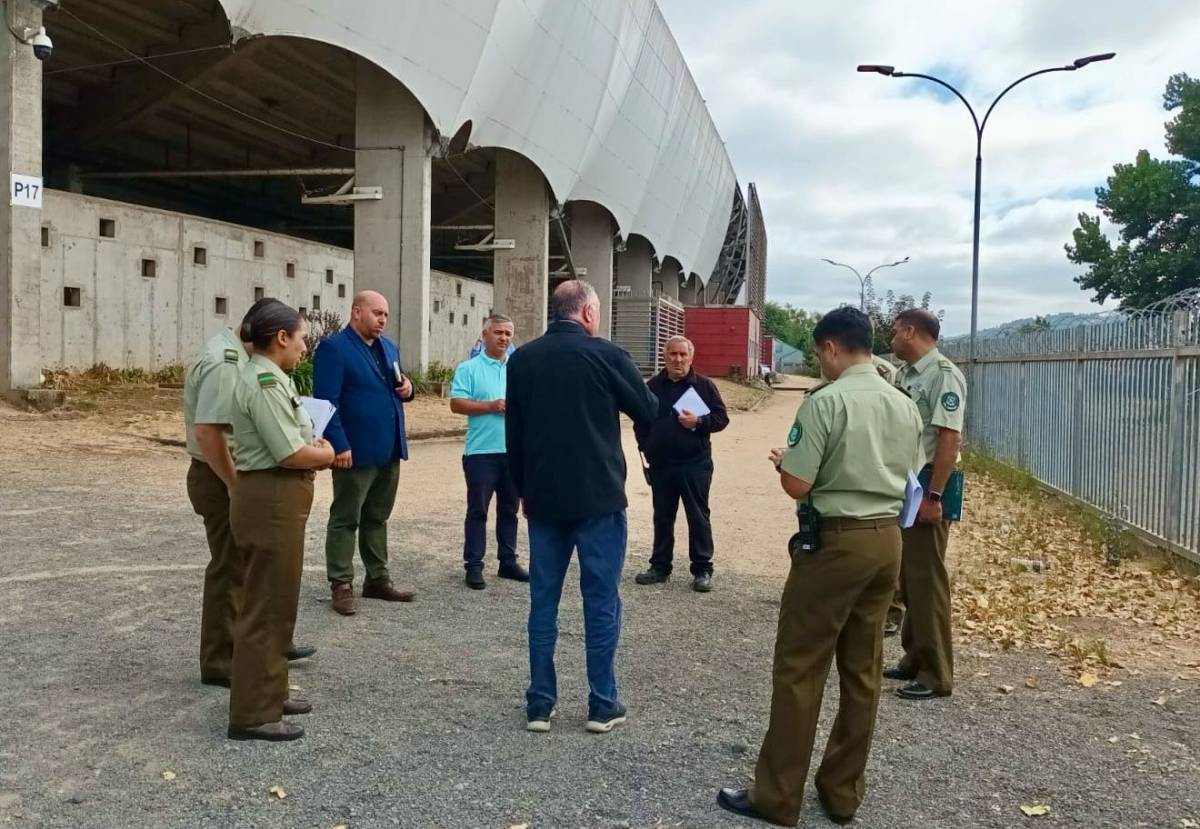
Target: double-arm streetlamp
x=892 y=72
x=862 y=280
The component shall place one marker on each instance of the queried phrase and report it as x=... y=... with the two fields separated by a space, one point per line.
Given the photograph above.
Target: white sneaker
x=607 y=722
x=540 y=725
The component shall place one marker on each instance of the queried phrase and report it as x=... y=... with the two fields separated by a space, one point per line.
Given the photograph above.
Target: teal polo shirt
x=482 y=379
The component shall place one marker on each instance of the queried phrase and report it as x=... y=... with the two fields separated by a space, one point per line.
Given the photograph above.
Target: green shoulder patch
x=951 y=401
x=795 y=434
x=231 y=356
x=267 y=380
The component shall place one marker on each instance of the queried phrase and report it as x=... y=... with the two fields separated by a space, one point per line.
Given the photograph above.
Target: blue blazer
x=370 y=416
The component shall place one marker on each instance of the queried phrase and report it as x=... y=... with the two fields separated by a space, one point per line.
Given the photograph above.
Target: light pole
x=891 y=72
x=862 y=280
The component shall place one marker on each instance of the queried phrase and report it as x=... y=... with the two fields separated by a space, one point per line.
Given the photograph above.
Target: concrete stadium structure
x=197 y=151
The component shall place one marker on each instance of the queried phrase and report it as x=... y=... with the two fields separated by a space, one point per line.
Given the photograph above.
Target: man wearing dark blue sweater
x=566 y=392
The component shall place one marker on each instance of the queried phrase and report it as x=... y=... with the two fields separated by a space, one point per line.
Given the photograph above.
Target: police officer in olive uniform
x=207 y=400
x=849 y=454
x=940 y=392
x=276 y=457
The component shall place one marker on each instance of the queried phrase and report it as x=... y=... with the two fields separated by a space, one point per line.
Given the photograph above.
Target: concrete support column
x=592 y=250
x=522 y=275
x=669 y=275
x=391 y=236
x=635 y=267
x=20 y=227
x=692 y=292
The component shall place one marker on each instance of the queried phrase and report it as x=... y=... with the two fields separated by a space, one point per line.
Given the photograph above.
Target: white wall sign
x=26 y=191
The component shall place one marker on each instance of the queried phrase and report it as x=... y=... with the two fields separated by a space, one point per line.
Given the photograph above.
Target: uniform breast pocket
x=919 y=397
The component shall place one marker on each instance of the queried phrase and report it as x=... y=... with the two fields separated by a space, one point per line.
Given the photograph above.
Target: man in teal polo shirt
x=478 y=391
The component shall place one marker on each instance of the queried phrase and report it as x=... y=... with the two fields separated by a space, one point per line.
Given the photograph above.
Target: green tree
x=883 y=313
x=793 y=326
x=1034 y=325
x=1156 y=206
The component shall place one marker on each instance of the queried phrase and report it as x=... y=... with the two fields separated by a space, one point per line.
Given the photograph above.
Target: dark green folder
x=952 y=498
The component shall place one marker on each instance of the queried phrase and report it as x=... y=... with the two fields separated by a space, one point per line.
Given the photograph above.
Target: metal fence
x=1107 y=412
x=642 y=326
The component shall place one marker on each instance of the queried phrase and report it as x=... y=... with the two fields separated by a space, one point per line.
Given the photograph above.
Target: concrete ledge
x=37 y=400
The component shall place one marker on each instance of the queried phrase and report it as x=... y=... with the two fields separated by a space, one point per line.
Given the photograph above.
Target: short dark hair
x=922 y=320
x=848 y=327
x=265 y=319
x=570 y=298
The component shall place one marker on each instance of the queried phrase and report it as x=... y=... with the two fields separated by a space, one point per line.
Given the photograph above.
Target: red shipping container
x=728 y=340
x=768 y=351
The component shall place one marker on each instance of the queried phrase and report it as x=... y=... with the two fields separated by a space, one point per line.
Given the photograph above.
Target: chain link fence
x=1107 y=412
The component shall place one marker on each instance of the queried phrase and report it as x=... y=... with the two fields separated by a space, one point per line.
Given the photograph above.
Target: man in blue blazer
x=358 y=371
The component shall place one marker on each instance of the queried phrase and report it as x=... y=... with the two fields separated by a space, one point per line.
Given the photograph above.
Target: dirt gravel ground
x=419 y=710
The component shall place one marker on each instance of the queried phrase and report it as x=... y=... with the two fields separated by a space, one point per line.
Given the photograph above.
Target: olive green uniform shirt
x=938 y=388
x=269 y=424
x=855 y=440
x=885 y=370
x=208 y=388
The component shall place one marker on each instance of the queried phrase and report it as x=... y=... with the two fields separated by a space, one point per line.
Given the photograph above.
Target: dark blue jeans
x=487 y=475
x=601 y=545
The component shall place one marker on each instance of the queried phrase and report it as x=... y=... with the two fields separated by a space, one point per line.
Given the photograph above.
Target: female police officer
x=271 y=498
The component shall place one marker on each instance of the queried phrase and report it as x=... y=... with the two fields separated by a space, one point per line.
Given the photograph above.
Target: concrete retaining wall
x=133 y=287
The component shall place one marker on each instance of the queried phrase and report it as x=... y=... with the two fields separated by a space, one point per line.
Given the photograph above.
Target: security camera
x=43 y=46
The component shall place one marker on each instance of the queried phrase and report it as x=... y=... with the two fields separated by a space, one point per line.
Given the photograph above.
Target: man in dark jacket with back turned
x=679 y=450
x=566 y=391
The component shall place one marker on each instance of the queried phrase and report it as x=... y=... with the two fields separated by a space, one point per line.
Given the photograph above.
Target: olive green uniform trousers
x=925 y=635
x=222 y=577
x=268 y=514
x=833 y=606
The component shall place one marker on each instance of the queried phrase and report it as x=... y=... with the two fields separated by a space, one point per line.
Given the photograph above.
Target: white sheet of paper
x=690 y=401
x=320 y=412
x=913 y=493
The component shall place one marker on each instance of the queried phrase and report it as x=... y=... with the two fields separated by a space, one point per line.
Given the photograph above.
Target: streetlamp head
x=878 y=68
x=1079 y=63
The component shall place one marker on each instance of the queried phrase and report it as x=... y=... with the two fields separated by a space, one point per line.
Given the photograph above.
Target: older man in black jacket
x=679 y=450
x=566 y=391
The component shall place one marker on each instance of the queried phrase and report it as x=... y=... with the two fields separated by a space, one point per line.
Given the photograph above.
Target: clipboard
x=952 y=497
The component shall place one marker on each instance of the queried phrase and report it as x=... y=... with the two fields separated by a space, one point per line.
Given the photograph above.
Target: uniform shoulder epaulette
x=231 y=356
x=815 y=389
x=267 y=380
x=945 y=363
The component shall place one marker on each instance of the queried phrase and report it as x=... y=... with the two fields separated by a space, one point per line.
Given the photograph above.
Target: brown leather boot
x=343 y=598
x=384 y=590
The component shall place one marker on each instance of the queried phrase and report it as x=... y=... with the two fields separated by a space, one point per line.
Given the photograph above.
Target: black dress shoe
x=917 y=691
x=652 y=576
x=474 y=578
x=702 y=583
x=274 y=732
x=300 y=652
x=513 y=571
x=840 y=820
x=738 y=802
x=899 y=674
x=219 y=681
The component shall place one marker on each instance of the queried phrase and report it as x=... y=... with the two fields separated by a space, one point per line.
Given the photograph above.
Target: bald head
x=369 y=315
x=577 y=300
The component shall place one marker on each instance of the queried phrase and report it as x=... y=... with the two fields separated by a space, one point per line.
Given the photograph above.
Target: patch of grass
x=975 y=461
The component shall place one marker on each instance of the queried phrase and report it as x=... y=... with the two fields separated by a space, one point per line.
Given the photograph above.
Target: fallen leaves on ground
x=1088 y=679
x=278 y=791
x=168 y=775
x=1035 y=810
x=1145 y=609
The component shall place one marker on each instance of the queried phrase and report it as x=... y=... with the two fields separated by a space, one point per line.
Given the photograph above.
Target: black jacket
x=664 y=441
x=565 y=393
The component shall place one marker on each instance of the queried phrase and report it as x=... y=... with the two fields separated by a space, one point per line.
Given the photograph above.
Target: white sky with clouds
x=865 y=169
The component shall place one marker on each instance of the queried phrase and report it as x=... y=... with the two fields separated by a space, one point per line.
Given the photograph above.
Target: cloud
x=866 y=169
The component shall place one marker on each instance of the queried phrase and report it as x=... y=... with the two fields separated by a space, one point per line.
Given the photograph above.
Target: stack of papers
x=320 y=412
x=691 y=402
x=913 y=493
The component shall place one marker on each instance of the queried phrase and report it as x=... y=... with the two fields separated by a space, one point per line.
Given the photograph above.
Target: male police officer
x=937 y=387
x=207 y=398
x=849 y=454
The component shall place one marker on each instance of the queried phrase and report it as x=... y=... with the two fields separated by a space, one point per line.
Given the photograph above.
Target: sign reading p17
x=26 y=191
